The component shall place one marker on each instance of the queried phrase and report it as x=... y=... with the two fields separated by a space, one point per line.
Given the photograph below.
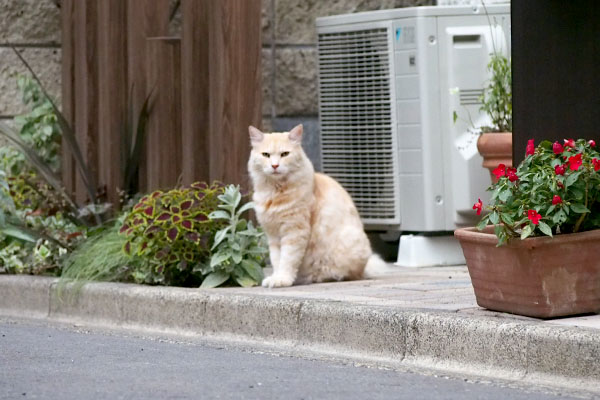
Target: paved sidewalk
x=427 y=289
x=407 y=317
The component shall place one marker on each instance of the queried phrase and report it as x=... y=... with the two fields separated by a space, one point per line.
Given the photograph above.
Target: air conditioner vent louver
x=470 y=96
x=356 y=120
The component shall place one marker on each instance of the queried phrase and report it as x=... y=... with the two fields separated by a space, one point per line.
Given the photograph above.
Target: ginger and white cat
x=315 y=233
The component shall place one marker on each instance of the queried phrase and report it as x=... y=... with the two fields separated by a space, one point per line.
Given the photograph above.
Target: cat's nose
x=274 y=166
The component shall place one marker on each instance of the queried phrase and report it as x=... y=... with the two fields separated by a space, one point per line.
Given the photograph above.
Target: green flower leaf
x=507 y=219
x=214 y=279
x=527 y=231
x=579 y=208
x=218 y=259
x=245 y=281
x=571 y=179
x=505 y=195
x=245 y=207
x=253 y=269
x=494 y=218
x=545 y=228
x=219 y=214
x=222 y=234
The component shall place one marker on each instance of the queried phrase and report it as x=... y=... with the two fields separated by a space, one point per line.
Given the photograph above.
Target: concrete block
x=25 y=296
x=353 y=330
x=267 y=124
x=46 y=62
x=99 y=303
x=267 y=22
x=29 y=21
x=296 y=82
x=255 y=317
x=295 y=19
x=480 y=345
x=572 y=353
x=267 y=81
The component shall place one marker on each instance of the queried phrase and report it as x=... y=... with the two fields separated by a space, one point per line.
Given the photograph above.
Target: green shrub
x=239 y=248
x=172 y=231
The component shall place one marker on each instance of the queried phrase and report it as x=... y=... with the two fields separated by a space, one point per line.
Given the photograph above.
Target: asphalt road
x=42 y=361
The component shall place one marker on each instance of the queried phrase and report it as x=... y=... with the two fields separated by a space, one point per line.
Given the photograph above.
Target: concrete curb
x=508 y=349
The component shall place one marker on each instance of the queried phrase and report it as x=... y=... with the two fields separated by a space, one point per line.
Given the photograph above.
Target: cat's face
x=276 y=155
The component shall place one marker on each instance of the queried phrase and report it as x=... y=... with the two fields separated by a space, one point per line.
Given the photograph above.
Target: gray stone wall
x=33 y=26
x=288 y=55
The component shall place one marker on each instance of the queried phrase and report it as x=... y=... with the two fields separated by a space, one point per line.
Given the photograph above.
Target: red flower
x=530 y=148
x=556 y=200
x=569 y=142
x=500 y=171
x=560 y=169
x=592 y=143
x=557 y=148
x=534 y=216
x=512 y=174
x=478 y=206
x=596 y=163
x=575 y=162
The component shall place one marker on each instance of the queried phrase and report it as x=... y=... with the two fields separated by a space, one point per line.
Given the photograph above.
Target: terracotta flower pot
x=495 y=148
x=540 y=277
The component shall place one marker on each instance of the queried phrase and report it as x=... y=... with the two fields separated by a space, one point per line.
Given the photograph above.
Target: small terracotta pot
x=539 y=277
x=496 y=149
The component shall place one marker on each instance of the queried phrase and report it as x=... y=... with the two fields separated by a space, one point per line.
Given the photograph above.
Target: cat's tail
x=376 y=267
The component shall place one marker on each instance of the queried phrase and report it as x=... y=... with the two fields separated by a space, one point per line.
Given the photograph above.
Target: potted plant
x=536 y=252
x=495 y=142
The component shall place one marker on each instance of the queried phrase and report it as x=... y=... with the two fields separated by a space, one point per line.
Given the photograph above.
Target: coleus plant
x=172 y=231
x=555 y=190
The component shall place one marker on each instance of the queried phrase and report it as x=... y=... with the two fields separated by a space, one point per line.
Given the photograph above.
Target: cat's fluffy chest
x=274 y=205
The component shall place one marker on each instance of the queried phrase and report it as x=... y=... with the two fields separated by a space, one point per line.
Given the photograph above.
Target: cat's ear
x=256 y=136
x=296 y=134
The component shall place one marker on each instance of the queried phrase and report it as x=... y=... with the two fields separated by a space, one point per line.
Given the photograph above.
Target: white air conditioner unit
x=389 y=82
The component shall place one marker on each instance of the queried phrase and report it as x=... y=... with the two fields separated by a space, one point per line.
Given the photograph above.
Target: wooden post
x=163 y=166
x=194 y=97
x=146 y=18
x=85 y=34
x=112 y=94
x=235 y=85
x=68 y=96
x=555 y=56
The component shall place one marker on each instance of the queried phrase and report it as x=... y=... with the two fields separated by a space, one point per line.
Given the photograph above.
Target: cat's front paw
x=277 y=281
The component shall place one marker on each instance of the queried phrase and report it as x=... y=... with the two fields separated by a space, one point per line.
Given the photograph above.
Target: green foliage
x=239 y=249
x=100 y=258
x=555 y=190
x=34 y=244
x=34 y=234
x=38 y=128
x=172 y=231
x=497 y=95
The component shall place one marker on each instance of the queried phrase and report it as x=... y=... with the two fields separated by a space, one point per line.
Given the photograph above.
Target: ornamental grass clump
x=173 y=232
x=555 y=190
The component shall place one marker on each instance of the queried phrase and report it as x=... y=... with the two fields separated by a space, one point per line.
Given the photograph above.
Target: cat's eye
x=266 y=155
x=285 y=154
